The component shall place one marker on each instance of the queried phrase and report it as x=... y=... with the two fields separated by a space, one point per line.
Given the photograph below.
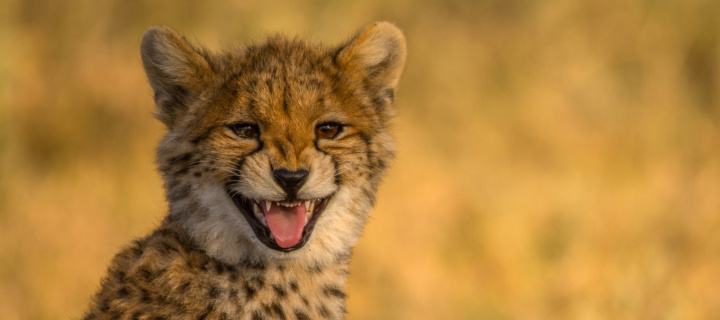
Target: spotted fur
x=204 y=261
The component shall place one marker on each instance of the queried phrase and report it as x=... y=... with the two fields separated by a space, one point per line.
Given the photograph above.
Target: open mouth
x=281 y=225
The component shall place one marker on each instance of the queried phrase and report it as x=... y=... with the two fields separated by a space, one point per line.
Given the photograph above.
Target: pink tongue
x=286 y=224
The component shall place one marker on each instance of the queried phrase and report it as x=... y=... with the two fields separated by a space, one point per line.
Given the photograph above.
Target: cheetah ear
x=375 y=58
x=176 y=72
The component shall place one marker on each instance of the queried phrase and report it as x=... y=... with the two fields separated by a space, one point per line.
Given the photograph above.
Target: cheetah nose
x=290 y=181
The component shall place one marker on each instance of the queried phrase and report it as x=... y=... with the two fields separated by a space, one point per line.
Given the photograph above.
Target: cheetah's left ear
x=375 y=57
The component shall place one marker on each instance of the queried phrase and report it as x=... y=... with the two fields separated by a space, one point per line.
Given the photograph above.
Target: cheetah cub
x=271 y=162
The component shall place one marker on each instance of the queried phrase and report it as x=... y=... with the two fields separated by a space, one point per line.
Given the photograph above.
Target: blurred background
x=557 y=159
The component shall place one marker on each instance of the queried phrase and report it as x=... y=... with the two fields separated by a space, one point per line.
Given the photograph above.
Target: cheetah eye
x=328 y=130
x=245 y=130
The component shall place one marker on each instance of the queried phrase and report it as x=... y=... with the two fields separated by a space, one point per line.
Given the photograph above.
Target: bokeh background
x=557 y=159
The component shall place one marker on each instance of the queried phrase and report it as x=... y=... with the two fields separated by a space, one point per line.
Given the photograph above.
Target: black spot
x=209 y=309
x=379 y=101
x=343 y=257
x=123 y=292
x=333 y=292
x=390 y=94
x=143 y=274
x=234 y=276
x=136 y=251
x=184 y=286
x=103 y=306
x=294 y=286
x=215 y=292
x=301 y=316
x=181 y=159
x=136 y=315
x=249 y=292
x=233 y=293
x=219 y=268
x=258 y=282
x=197 y=174
x=169 y=233
x=145 y=296
x=305 y=300
x=183 y=170
x=324 y=311
x=179 y=193
x=281 y=267
x=230 y=268
x=257 y=265
x=166 y=247
x=201 y=136
x=317 y=268
x=257 y=315
x=279 y=291
x=278 y=311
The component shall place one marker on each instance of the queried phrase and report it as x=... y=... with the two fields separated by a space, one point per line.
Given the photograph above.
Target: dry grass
x=557 y=159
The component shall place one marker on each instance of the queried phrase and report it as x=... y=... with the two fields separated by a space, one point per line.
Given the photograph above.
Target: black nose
x=290 y=181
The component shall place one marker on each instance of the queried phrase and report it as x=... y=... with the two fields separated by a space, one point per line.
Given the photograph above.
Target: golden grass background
x=557 y=159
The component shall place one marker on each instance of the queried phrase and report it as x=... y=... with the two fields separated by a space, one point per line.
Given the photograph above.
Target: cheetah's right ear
x=374 y=58
x=176 y=71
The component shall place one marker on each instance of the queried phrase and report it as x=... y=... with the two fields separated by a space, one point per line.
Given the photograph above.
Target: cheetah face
x=294 y=134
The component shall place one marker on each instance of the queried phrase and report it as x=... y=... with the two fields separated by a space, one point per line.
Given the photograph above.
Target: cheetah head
x=274 y=149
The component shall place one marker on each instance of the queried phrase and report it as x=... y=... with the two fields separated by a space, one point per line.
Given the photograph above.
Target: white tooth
x=272 y=236
x=262 y=220
x=268 y=204
x=307 y=205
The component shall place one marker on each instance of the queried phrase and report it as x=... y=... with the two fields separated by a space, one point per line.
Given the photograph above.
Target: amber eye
x=245 y=130
x=328 y=130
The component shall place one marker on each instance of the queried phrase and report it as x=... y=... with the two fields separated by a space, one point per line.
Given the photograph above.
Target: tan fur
x=204 y=261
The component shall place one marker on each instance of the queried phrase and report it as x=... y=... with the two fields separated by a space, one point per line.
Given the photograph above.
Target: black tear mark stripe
x=318 y=148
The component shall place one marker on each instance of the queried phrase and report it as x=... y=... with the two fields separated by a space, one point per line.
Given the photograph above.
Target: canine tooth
x=268 y=205
x=262 y=220
x=307 y=206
